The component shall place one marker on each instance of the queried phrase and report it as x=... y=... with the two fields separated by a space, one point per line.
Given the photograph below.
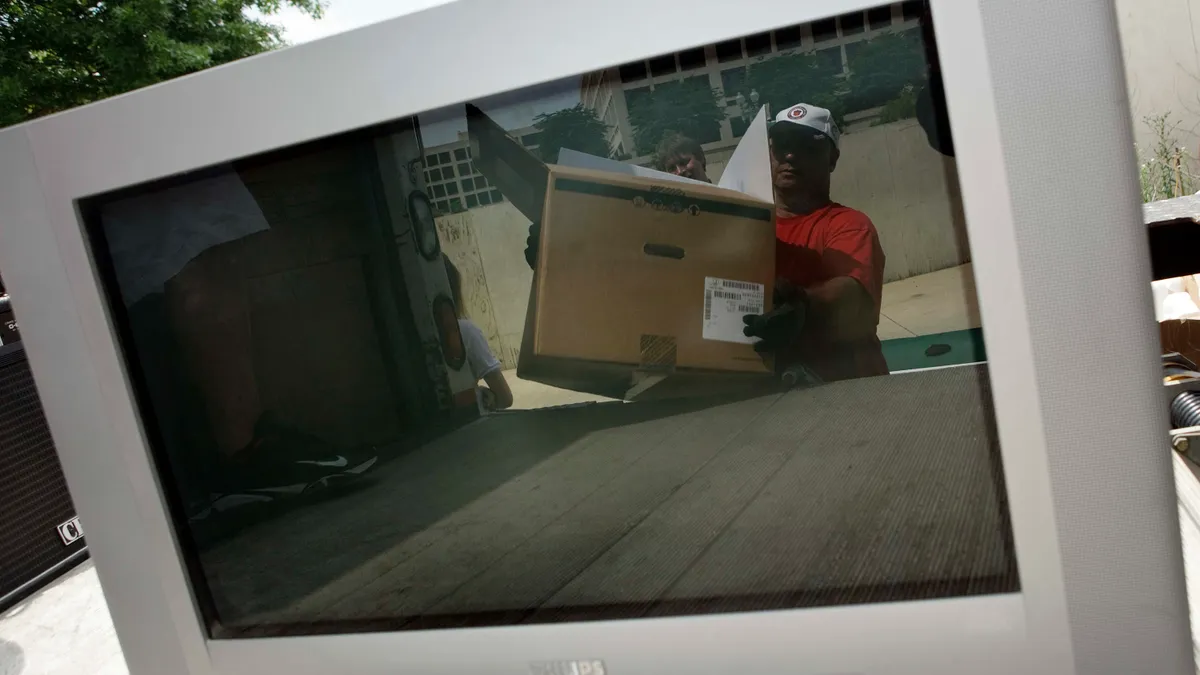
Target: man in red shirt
x=828 y=260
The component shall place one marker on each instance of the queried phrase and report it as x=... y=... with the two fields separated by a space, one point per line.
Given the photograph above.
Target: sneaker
x=282 y=464
x=283 y=461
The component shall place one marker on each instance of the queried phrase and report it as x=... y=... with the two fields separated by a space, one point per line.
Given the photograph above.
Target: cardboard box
x=641 y=279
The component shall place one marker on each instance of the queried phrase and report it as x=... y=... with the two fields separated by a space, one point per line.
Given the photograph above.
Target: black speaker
x=40 y=536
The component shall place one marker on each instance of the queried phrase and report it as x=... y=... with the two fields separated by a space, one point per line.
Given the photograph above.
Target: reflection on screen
x=693 y=334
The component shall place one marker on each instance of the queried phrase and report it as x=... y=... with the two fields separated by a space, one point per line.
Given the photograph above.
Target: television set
x=281 y=313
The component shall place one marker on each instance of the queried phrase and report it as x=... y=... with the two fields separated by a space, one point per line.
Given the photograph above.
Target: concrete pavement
x=63 y=629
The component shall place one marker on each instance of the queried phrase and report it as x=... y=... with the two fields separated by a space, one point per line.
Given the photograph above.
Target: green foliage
x=903 y=107
x=801 y=77
x=689 y=107
x=886 y=70
x=1164 y=170
x=58 y=54
x=576 y=128
x=882 y=68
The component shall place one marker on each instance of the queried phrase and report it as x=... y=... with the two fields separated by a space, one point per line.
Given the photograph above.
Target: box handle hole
x=664 y=251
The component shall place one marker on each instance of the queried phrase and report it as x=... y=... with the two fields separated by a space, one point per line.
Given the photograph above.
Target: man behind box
x=827 y=257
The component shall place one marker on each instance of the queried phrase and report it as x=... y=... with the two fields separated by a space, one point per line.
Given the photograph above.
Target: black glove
x=781 y=326
x=531 y=244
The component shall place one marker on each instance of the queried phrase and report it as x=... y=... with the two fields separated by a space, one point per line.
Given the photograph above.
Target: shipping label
x=725 y=303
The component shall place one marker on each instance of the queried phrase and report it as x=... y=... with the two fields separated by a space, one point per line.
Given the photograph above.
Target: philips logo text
x=590 y=667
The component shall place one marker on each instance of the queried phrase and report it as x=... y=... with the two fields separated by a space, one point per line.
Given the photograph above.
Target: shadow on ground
x=275 y=563
x=12 y=659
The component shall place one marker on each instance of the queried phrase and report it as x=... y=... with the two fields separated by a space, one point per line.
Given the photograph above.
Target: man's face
x=688 y=166
x=800 y=158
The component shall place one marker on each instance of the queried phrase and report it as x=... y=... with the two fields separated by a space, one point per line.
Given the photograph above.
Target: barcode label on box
x=725 y=303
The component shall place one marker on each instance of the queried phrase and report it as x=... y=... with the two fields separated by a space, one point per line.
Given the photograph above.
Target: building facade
x=452 y=181
x=724 y=67
x=1162 y=73
x=455 y=186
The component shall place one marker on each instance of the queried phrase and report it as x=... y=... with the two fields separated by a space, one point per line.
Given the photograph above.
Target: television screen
x=689 y=335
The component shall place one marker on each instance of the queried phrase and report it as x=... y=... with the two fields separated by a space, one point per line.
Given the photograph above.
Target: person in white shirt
x=484 y=365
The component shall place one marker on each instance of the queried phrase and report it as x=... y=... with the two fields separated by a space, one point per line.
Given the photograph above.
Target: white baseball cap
x=818 y=119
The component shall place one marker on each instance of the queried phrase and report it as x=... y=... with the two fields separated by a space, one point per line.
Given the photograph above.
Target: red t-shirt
x=833 y=241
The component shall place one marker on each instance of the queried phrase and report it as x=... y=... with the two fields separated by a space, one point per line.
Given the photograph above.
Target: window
x=484 y=199
x=823 y=30
x=852 y=23
x=437 y=190
x=497 y=197
x=729 y=51
x=456 y=205
x=451 y=188
x=443 y=158
x=431 y=160
x=468 y=185
x=448 y=172
x=879 y=17
x=663 y=65
x=758 y=45
x=632 y=72
x=460 y=154
x=428 y=180
x=435 y=174
x=464 y=169
x=480 y=182
x=911 y=11
x=444 y=207
x=787 y=38
x=732 y=81
x=692 y=59
x=472 y=201
x=738 y=125
x=531 y=139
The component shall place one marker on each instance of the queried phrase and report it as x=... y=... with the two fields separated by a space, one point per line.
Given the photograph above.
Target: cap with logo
x=817 y=119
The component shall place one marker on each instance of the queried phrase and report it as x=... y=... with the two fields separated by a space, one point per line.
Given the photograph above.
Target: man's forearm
x=841 y=309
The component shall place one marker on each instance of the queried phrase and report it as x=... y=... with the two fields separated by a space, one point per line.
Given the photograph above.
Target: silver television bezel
x=1032 y=88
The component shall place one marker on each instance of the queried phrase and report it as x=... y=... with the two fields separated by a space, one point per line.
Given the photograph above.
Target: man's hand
x=531 y=244
x=781 y=326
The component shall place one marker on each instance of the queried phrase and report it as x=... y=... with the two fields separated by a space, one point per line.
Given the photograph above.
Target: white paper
x=726 y=301
x=749 y=168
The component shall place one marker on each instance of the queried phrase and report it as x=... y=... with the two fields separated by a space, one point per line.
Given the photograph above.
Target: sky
x=344 y=15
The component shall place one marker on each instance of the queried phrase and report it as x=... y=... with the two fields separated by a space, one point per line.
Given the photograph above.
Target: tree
x=689 y=107
x=886 y=70
x=58 y=54
x=802 y=77
x=576 y=128
x=883 y=67
x=1164 y=170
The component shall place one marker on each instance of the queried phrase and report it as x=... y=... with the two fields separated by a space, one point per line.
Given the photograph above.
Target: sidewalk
x=63 y=629
x=938 y=302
